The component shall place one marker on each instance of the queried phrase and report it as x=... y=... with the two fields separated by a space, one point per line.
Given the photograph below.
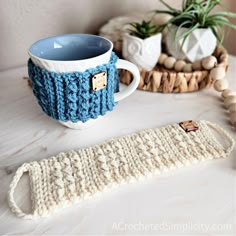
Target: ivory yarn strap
x=71 y=176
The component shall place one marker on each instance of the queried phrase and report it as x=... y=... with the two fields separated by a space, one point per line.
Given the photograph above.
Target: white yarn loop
x=224 y=134
x=13 y=205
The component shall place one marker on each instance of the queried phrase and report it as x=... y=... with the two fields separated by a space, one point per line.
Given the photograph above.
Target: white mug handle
x=122 y=64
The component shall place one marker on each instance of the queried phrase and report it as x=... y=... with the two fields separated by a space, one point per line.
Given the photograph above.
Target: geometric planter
x=199 y=44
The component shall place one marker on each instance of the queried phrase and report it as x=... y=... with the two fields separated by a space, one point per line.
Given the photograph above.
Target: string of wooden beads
x=208 y=63
x=229 y=98
x=221 y=85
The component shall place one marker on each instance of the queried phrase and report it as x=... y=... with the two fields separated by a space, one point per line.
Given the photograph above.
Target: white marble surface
x=197 y=200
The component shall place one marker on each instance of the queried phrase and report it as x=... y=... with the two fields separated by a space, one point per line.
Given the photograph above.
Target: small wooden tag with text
x=99 y=81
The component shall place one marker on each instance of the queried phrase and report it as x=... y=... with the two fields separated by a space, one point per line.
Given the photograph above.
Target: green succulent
x=144 y=29
x=197 y=14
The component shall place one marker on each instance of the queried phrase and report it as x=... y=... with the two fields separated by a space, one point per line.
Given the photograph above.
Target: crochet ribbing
x=71 y=176
x=69 y=96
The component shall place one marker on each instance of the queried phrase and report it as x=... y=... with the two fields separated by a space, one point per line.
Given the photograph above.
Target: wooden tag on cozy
x=188 y=126
x=99 y=81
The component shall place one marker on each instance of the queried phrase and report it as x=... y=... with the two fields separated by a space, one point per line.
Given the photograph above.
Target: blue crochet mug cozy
x=75 y=77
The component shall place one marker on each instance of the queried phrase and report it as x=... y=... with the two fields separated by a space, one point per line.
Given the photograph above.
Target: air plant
x=198 y=14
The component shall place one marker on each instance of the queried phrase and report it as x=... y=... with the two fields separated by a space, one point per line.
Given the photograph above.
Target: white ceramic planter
x=199 y=44
x=142 y=52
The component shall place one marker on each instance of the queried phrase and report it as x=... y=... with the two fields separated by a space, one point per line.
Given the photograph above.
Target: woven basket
x=163 y=80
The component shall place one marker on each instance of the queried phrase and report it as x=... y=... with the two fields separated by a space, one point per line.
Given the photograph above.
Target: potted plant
x=142 y=44
x=194 y=30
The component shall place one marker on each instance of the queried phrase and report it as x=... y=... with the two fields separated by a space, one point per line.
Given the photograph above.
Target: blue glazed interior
x=70 y=47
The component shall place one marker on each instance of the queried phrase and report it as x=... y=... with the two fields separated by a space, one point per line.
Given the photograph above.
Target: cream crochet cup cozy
x=71 y=176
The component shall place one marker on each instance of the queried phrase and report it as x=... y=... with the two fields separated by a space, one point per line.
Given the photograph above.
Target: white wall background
x=24 y=21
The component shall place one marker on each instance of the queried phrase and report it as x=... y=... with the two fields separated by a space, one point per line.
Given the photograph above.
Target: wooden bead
x=232 y=107
x=188 y=68
x=179 y=65
x=229 y=100
x=224 y=57
x=162 y=58
x=233 y=117
x=169 y=62
x=221 y=85
x=217 y=51
x=227 y=93
x=197 y=65
x=218 y=73
x=209 y=62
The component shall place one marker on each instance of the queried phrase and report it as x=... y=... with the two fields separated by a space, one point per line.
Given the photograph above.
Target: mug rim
x=69 y=61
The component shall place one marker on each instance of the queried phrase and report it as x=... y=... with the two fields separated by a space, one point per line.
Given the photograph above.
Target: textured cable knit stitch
x=69 y=96
x=69 y=177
